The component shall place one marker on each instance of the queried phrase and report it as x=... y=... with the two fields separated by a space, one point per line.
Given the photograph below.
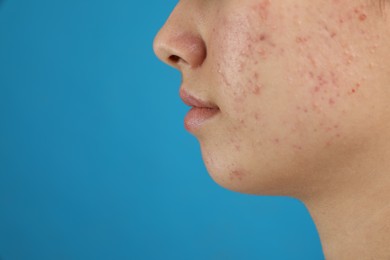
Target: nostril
x=174 y=58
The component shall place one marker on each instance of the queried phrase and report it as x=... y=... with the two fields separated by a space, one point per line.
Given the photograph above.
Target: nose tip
x=180 y=50
x=179 y=43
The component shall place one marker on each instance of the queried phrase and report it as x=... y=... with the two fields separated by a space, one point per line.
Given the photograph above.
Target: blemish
x=263 y=9
x=297 y=147
x=257 y=116
x=262 y=37
x=301 y=39
x=256 y=90
x=237 y=175
x=362 y=17
x=331 y=101
x=355 y=88
x=262 y=53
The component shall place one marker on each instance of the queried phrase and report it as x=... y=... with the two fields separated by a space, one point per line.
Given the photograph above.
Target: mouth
x=200 y=112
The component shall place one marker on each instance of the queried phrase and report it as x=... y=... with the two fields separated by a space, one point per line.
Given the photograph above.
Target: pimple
x=355 y=88
x=237 y=175
x=312 y=61
x=262 y=37
x=256 y=90
x=297 y=147
x=257 y=117
x=301 y=39
x=263 y=9
x=262 y=53
x=362 y=17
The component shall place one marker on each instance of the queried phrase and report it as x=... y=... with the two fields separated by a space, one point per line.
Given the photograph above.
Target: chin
x=230 y=176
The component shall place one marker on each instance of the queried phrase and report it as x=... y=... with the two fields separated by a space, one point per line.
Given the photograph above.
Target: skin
x=303 y=89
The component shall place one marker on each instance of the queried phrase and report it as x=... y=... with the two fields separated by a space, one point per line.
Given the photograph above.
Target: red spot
x=263 y=9
x=297 y=147
x=331 y=101
x=301 y=39
x=312 y=61
x=362 y=17
x=353 y=90
x=321 y=80
x=263 y=37
x=237 y=175
x=257 y=116
x=256 y=90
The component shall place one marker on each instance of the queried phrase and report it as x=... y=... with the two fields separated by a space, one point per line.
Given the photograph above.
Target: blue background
x=94 y=159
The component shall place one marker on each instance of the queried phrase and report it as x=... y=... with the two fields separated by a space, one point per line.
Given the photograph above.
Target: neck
x=353 y=215
x=358 y=228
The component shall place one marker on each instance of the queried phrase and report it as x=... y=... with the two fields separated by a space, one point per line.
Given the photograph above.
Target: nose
x=179 y=43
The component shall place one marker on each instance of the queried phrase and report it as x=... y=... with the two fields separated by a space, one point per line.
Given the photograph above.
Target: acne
x=257 y=116
x=357 y=13
x=262 y=9
x=237 y=175
x=256 y=90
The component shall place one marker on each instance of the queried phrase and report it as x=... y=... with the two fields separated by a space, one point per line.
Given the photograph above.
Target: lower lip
x=197 y=116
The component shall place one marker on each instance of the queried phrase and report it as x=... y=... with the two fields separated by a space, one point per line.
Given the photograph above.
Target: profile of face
x=291 y=90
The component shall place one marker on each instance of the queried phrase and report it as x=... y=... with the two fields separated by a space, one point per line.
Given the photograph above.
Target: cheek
x=242 y=46
x=326 y=74
x=309 y=74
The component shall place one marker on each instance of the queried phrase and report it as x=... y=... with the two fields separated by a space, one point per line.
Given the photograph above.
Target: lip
x=200 y=112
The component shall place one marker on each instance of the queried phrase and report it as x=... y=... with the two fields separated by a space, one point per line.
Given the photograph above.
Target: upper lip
x=192 y=101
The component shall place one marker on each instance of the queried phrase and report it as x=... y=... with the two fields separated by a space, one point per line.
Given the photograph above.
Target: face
x=298 y=88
